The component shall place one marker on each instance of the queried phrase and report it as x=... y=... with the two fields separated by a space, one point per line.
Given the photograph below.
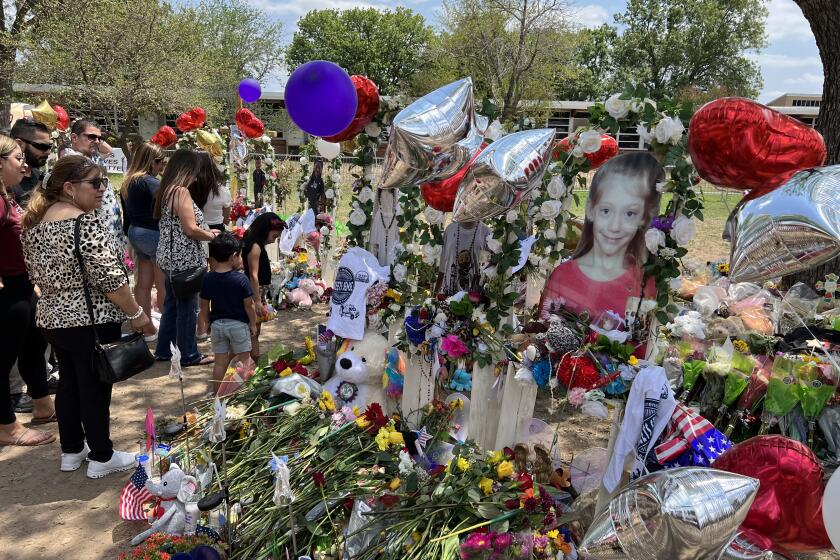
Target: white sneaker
x=120 y=461
x=72 y=461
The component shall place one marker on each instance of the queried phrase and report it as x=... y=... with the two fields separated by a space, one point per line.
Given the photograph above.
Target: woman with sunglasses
x=139 y=187
x=20 y=339
x=71 y=194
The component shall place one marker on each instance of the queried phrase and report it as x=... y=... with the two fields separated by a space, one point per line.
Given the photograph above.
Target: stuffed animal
x=721 y=329
x=358 y=371
x=303 y=293
x=172 y=493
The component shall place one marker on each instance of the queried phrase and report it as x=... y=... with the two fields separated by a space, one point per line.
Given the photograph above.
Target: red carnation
x=318 y=479
x=513 y=503
x=578 y=371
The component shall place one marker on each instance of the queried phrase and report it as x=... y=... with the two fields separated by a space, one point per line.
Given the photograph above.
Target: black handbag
x=113 y=361
x=185 y=283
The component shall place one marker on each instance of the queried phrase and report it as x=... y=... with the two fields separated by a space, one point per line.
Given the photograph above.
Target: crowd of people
x=65 y=285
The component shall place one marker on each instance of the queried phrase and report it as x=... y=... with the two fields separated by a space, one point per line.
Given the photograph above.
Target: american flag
x=134 y=495
x=423 y=437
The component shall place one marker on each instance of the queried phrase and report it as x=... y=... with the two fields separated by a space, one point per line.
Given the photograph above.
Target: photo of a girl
x=606 y=267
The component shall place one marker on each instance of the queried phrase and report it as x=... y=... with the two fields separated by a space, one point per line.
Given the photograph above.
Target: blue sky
x=790 y=64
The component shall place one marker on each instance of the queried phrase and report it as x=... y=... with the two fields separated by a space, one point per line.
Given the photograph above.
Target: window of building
x=806 y=103
x=560 y=121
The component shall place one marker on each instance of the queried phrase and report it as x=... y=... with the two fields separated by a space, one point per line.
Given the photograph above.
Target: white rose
x=269 y=162
x=637 y=105
x=644 y=133
x=669 y=130
x=431 y=253
x=494 y=131
x=410 y=248
x=577 y=151
x=534 y=259
x=336 y=177
x=365 y=195
x=330 y=194
x=482 y=348
x=358 y=218
x=434 y=217
x=511 y=216
x=493 y=245
x=400 y=272
x=589 y=141
x=490 y=272
x=265 y=139
x=550 y=209
x=394 y=307
x=356 y=204
x=654 y=239
x=684 y=230
x=667 y=253
x=373 y=130
x=556 y=189
x=550 y=234
x=324 y=230
x=617 y=108
x=440 y=318
x=304 y=160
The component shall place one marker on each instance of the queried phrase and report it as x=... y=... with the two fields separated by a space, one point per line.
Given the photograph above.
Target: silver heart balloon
x=503 y=175
x=790 y=229
x=679 y=514
x=432 y=138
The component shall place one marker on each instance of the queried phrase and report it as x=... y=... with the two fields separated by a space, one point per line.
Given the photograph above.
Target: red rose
x=191 y=120
x=249 y=124
x=525 y=481
x=318 y=479
x=165 y=136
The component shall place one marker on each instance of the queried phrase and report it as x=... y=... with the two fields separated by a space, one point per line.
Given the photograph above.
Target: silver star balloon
x=686 y=513
x=790 y=229
x=432 y=138
x=503 y=175
x=749 y=546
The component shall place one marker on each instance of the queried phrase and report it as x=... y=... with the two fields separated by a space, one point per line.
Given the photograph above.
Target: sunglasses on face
x=38 y=145
x=97 y=182
x=92 y=137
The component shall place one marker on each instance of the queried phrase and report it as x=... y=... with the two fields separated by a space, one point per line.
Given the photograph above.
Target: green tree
x=591 y=75
x=515 y=50
x=388 y=47
x=671 y=45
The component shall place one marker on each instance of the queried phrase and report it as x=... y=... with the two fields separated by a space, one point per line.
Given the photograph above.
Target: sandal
x=37 y=421
x=31 y=438
x=202 y=360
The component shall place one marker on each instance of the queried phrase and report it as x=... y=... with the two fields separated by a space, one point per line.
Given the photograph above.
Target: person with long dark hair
x=264 y=230
x=314 y=189
x=186 y=183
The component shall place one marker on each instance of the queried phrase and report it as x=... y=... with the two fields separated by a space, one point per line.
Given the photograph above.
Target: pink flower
x=452 y=345
x=503 y=541
x=576 y=396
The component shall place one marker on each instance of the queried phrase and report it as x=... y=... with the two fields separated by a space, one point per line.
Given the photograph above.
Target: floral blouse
x=48 y=250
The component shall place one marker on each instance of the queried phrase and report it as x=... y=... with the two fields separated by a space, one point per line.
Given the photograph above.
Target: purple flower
x=502 y=542
x=540 y=542
x=477 y=542
x=663 y=223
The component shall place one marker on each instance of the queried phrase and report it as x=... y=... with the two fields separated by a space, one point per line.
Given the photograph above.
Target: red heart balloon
x=165 y=136
x=788 y=506
x=740 y=144
x=249 y=124
x=62 y=121
x=191 y=120
x=609 y=149
x=440 y=195
x=368 y=96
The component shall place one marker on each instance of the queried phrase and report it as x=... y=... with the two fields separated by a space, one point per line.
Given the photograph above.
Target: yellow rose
x=395 y=483
x=486 y=486
x=495 y=457
x=504 y=470
x=463 y=464
x=633 y=361
x=396 y=438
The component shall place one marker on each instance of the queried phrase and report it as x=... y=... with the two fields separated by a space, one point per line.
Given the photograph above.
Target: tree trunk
x=7 y=67
x=824 y=18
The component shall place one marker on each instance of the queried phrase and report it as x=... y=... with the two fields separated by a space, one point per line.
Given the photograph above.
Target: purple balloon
x=249 y=90
x=321 y=98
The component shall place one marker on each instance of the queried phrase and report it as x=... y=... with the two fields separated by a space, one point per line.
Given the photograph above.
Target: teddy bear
x=302 y=295
x=172 y=493
x=357 y=380
x=721 y=329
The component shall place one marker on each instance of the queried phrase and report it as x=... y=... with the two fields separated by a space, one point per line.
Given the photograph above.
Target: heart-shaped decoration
x=249 y=124
x=62 y=121
x=740 y=144
x=368 y=95
x=165 y=136
x=191 y=120
x=608 y=150
x=440 y=195
x=788 y=506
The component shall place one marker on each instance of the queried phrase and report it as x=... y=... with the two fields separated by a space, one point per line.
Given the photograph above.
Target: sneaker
x=151 y=337
x=72 y=461
x=120 y=461
x=21 y=402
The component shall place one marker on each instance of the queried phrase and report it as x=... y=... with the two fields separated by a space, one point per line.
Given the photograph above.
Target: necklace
x=382 y=218
x=427 y=355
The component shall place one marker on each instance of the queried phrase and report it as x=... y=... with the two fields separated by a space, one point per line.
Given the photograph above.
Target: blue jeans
x=177 y=324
